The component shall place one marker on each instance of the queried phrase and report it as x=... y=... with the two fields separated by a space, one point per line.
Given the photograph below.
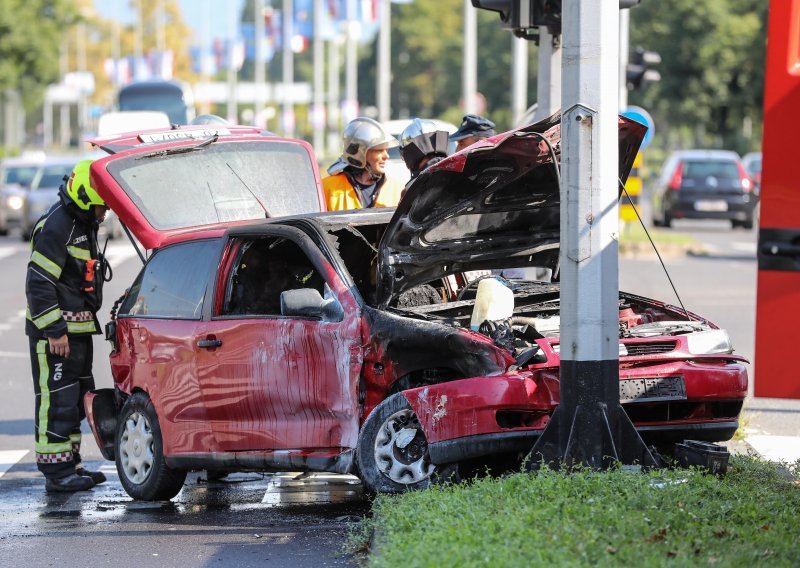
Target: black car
x=704 y=184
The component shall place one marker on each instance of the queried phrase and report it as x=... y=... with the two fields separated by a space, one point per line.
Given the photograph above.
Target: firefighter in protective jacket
x=64 y=290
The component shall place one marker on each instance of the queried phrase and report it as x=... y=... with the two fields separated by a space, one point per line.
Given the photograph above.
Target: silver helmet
x=362 y=134
x=422 y=139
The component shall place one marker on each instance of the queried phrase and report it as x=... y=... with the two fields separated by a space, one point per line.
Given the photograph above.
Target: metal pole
x=519 y=77
x=589 y=426
x=548 y=87
x=47 y=122
x=161 y=25
x=259 y=63
x=624 y=43
x=334 y=102
x=385 y=62
x=469 y=74
x=351 y=64
x=138 y=41
x=318 y=112
x=233 y=109
x=82 y=117
x=287 y=122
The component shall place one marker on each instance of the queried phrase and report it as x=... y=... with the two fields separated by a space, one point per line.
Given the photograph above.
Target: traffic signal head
x=638 y=72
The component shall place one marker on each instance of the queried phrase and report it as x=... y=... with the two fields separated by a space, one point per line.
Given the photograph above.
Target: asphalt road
x=286 y=520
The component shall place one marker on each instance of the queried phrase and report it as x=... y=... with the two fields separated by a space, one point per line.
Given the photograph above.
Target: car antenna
x=247 y=187
x=646 y=232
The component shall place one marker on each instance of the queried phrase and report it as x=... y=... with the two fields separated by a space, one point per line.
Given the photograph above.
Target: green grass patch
x=675 y=518
x=633 y=233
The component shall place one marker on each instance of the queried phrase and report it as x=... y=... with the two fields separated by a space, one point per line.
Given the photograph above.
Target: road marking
x=14 y=355
x=9 y=458
x=9 y=250
x=776 y=448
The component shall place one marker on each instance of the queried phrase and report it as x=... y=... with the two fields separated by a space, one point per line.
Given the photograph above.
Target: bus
x=171 y=97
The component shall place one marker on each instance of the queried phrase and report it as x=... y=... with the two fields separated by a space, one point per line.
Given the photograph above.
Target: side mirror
x=308 y=303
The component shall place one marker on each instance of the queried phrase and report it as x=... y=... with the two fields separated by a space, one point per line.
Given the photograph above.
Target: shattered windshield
x=226 y=181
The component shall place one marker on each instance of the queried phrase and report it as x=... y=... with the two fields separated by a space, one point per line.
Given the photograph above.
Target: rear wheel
x=140 y=453
x=392 y=454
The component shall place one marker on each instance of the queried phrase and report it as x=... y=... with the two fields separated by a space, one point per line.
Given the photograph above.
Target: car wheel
x=392 y=454
x=667 y=219
x=140 y=453
x=747 y=223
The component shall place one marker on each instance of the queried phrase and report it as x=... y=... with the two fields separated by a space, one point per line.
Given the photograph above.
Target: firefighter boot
x=68 y=484
x=97 y=477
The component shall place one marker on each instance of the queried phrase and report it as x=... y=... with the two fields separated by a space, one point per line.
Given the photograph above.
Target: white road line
x=14 y=354
x=776 y=448
x=9 y=458
x=9 y=250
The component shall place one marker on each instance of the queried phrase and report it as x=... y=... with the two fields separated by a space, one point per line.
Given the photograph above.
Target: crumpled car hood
x=494 y=204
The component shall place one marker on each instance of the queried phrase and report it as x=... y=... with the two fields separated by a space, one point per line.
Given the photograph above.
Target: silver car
x=44 y=191
x=16 y=177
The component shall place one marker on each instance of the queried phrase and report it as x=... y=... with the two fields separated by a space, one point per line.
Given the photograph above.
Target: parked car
x=341 y=342
x=43 y=191
x=16 y=177
x=704 y=184
x=752 y=163
x=395 y=166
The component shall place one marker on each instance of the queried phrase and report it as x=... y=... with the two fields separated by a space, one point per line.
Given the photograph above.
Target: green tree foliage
x=712 y=70
x=30 y=36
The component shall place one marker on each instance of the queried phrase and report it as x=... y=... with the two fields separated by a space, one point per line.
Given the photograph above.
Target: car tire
x=747 y=224
x=392 y=453
x=667 y=219
x=139 y=452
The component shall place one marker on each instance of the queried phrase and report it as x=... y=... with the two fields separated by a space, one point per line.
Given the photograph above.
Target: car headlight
x=14 y=202
x=708 y=342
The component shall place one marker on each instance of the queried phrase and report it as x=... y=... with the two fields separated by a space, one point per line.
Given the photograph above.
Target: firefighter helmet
x=79 y=187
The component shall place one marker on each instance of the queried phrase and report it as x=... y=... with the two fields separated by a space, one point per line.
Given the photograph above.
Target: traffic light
x=522 y=16
x=638 y=72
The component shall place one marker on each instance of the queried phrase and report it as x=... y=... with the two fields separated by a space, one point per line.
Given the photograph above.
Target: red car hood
x=495 y=204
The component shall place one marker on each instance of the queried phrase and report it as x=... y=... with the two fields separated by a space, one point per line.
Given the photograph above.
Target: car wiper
x=180 y=150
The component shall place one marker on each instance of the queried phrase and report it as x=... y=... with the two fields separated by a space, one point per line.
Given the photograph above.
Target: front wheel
x=139 y=452
x=392 y=454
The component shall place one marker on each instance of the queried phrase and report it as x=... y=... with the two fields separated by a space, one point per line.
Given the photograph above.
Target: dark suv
x=704 y=184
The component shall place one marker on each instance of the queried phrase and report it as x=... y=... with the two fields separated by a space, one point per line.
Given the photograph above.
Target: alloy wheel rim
x=401 y=450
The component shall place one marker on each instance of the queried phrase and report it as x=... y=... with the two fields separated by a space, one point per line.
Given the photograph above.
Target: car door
x=778 y=300
x=157 y=322
x=272 y=381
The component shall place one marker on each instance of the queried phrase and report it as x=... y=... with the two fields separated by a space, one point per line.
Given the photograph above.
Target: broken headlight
x=709 y=342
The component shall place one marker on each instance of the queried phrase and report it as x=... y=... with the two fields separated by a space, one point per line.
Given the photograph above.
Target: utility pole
x=287 y=122
x=351 y=63
x=138 y=49
x=624 y=43
x=334 y=102
x=233 y=108
x=469 y=74
x=589 y=426
x=385 y=61
x=318 y=111
x=259 y=63
x=161 y=27
x=548 y=86
x=519 y=77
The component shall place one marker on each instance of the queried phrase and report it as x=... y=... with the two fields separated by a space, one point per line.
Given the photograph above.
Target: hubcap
x=401 y=450
x=136 y=448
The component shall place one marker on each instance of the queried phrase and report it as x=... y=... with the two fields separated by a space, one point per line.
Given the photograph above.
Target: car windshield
x=715 y=168
x=225 y=181
x=23 y=175
x=53 y=175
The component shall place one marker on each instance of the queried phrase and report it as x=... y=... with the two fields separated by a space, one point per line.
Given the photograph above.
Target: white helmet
x=422 y=139
x=362 y=134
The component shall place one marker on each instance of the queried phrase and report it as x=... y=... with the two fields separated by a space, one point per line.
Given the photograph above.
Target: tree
x=30 y=38
x=712 y=70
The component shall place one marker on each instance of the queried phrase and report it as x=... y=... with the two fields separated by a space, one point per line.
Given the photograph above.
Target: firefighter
x=64 y=291
x=422 y=144
x=358 y=178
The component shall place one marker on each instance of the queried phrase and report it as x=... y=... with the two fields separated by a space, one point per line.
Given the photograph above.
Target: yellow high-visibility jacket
x=341 y=194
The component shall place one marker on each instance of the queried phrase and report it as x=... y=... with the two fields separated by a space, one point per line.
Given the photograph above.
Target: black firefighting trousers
x=59 y=385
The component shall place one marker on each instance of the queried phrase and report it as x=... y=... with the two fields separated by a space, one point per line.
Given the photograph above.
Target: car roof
x=326 y=220
x=706 y=155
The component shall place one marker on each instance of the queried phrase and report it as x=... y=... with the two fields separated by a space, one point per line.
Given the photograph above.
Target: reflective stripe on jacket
x=62 y=242
x=341 y=195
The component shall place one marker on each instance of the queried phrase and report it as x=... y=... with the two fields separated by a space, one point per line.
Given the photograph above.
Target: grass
x=660 y=518
x=634 y=234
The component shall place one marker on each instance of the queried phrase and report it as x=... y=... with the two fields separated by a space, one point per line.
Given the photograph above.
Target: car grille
x=639 y=349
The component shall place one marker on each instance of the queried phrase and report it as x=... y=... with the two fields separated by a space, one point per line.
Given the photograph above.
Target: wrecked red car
x=342 y=342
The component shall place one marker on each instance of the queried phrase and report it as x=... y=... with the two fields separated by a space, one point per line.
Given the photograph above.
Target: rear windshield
x=714 y=168
x=52 y=176
x=223 y=182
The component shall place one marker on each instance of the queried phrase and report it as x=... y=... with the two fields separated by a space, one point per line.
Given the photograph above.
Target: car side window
x=263 y=269
x=173 y=283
